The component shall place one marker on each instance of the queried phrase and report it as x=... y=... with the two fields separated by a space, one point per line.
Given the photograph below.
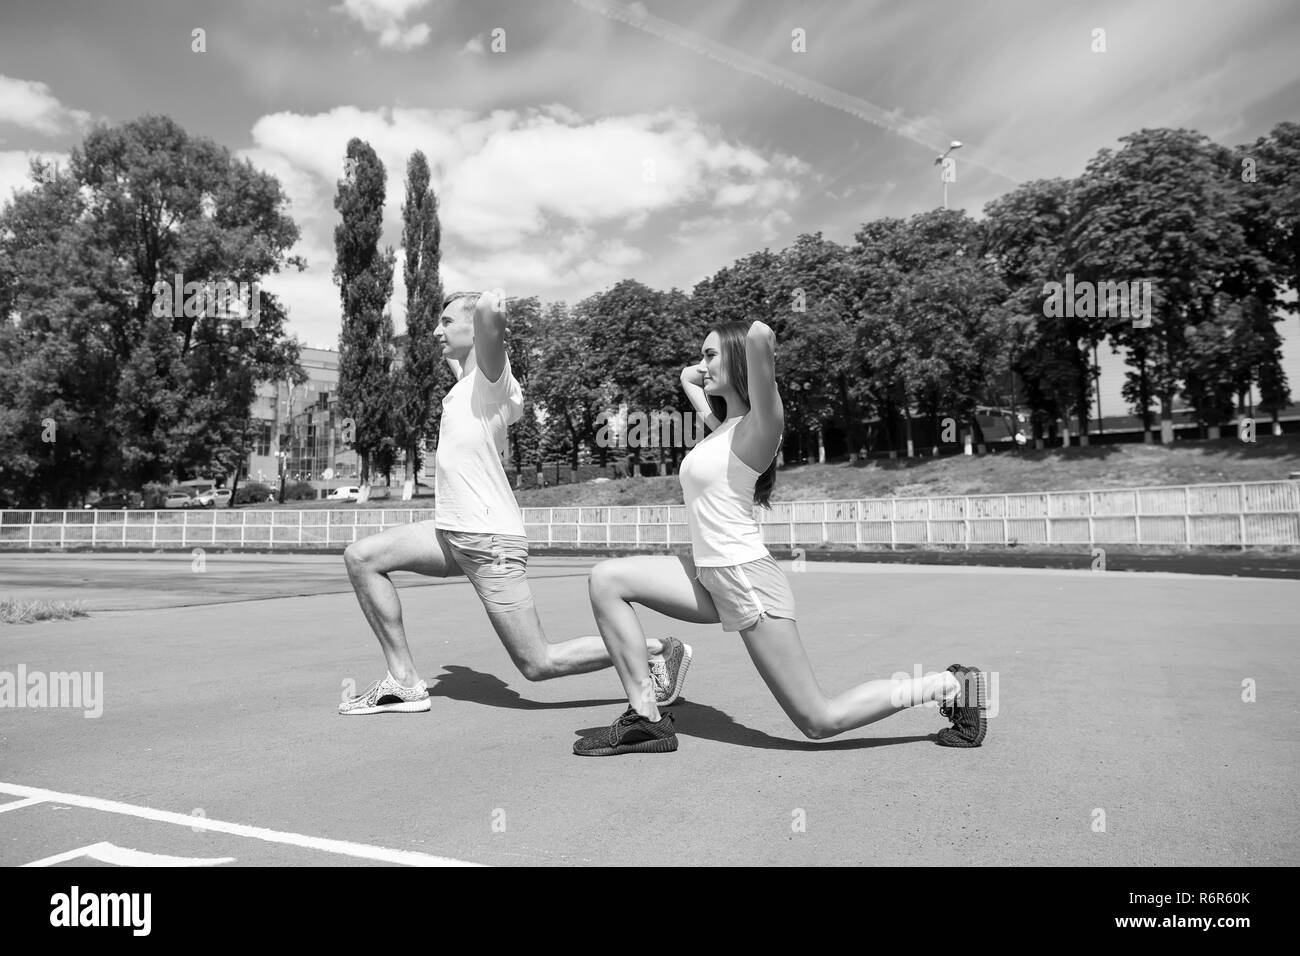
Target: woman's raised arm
x=759 y=434
x=693 y=386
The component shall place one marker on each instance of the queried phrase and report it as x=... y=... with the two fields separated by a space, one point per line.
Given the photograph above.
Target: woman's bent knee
x=816 y=727
x=603 y=581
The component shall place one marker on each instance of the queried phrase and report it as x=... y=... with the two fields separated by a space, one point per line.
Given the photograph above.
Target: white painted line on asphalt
x=124 y=856
x=364 y=851
x=18 y=804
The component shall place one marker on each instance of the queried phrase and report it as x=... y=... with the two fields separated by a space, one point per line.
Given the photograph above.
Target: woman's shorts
x=744 y=594
x=496 y=564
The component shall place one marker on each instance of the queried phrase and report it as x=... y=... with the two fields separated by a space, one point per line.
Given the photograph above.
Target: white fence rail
x=1244 y=514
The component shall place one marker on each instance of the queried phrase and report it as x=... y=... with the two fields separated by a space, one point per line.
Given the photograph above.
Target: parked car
x=178 y=499
x=346 y=493
x=116 y=501
x=213 y=497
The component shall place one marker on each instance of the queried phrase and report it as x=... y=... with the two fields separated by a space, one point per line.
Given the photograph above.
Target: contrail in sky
x=918 y=132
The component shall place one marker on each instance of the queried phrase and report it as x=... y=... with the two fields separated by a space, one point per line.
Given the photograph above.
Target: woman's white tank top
x=718 y=489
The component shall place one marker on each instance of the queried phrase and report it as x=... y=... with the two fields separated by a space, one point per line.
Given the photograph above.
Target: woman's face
x=714 y=377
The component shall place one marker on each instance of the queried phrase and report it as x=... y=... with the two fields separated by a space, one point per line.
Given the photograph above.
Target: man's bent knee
x=535 y=671
x=355 y=556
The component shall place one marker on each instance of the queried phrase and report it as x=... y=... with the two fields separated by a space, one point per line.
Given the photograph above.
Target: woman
x=731 y=578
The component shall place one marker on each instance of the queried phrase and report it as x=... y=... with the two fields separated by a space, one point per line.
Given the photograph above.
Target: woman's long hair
x=731 y=346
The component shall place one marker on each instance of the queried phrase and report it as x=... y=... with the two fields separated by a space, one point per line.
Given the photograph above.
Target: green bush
x=154 y=494
x=252 y=492
x=299 y=491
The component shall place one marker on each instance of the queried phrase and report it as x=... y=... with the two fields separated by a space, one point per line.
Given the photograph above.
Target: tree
x=739 y=293
x=1025 y=234
x=137 y=384
x=1160 y=211
x=643 y=339
x=523 y=342
x=1267 y=174
x=365 y=280
x=809 y=293
x=569 y=379
x=1271 y=182
x=932 y=326
x=424 y=377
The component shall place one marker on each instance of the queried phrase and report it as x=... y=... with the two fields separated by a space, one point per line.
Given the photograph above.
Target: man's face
x=456 y=329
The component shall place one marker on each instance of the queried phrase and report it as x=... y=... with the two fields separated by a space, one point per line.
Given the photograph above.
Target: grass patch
x=1008 y=472
x=29 y=612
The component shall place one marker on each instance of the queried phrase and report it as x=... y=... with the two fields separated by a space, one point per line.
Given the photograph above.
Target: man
x=477 y=530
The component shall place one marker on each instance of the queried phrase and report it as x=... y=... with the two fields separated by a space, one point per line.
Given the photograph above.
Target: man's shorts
x=744 y=594
x=496 y=564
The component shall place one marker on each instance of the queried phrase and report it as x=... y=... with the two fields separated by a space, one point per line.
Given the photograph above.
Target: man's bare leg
x=369 y=561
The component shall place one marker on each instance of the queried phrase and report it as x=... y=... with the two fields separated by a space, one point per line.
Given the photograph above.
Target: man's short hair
x=472 y=296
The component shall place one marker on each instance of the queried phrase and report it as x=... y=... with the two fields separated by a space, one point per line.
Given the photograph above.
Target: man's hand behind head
x=490 y=333
x=492 y=304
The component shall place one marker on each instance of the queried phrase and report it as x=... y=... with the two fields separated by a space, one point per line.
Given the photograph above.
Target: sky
x=576 y=143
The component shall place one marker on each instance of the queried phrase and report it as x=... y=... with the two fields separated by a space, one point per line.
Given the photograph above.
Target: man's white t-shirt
x=470 y=485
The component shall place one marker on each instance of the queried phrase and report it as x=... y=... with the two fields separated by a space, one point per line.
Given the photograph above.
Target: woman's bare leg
x=779 y=655
x=663 y=584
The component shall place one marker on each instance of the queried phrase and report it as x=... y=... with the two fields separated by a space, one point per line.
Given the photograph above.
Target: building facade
x=300 y=429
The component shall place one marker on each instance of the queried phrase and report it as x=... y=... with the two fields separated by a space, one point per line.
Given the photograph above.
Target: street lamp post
x=282 y=455
x=287 y=435
x=1096 y=384
x=944 y=166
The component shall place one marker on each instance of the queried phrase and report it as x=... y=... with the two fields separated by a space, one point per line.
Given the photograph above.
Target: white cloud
x=384 y=18
x=610 y=171
x=539 y=202
x=31 y=105
x=474 y=45
x=14 y=170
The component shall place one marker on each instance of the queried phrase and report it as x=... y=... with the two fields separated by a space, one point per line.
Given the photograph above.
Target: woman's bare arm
x=692 y=385
x=759 y=435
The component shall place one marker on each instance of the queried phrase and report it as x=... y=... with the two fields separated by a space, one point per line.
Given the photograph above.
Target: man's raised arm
x=490 y=334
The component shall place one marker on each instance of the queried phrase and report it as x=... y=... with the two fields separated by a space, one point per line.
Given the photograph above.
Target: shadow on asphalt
x=458 y=682
x=465 y=683
x=709 y=723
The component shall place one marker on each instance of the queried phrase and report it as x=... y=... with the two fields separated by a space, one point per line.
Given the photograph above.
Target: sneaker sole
x=644 y=747
x=405 y=707
x=687 y=654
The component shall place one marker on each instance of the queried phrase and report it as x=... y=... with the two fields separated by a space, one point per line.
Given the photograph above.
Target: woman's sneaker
x=630 y=734
x=669 y=674
x=387 y=696
x=966 y=710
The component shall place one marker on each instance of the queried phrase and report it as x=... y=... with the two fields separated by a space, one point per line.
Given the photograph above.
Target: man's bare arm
x=490 y=334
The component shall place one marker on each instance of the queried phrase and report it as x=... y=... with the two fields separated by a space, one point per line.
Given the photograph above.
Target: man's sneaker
x=669 y=675
x=966 y=710
x=387 y=696
x=630 y=734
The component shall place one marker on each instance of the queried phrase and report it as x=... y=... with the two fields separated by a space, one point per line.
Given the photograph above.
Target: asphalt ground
x=1142 y=720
